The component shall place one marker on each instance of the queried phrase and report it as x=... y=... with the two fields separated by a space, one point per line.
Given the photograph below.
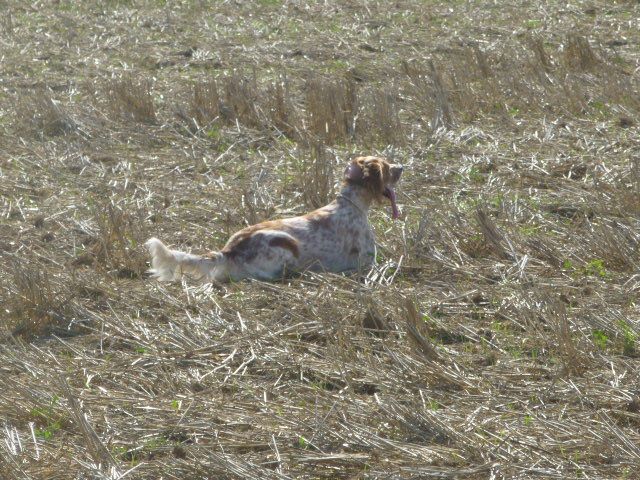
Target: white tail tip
x=163 y=262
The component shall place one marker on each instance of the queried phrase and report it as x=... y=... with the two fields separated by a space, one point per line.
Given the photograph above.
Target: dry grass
x=36 y=305
x=40 y=115
x=130 y=98
x=316 y=175
x=498 y=335
x=332 y=106
x=205 y=105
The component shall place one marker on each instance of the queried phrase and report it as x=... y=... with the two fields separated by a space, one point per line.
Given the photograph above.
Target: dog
x=334 y=238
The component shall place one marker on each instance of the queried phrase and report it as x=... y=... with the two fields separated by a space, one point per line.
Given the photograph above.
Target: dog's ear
x=353 y=173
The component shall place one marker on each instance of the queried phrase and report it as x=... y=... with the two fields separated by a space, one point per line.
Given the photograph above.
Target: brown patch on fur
x=354 y=250
x=246 y=233
x=287 y=243
x=375 y=173
x=241 y=244
x=241 y=248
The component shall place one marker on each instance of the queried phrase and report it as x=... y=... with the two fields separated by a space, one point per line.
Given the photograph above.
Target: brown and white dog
x=334 y=238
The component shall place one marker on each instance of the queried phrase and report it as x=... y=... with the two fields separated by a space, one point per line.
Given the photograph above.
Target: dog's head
x=377 y=176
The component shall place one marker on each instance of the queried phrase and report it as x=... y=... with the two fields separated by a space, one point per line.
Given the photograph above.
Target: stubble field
x=498 y=336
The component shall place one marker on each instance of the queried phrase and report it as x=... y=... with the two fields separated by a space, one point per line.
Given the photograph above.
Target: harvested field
x=499 y=335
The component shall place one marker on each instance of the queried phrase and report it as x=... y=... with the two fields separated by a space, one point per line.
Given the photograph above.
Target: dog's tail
x=167 y=265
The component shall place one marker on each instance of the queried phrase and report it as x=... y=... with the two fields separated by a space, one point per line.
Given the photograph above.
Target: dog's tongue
x=391 y=194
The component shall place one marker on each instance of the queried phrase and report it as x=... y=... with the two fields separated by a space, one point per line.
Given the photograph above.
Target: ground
x=498 y=335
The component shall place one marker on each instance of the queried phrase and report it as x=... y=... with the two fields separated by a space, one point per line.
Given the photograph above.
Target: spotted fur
x=335 y=238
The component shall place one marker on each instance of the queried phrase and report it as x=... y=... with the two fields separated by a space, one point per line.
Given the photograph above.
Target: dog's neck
x=356 y=198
